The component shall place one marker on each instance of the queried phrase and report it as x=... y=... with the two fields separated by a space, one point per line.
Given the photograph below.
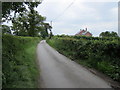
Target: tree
x=35 y=20
x=15 y=7
x=114 y=34
x=51 y=34
x=108 y=34
x=8 y=7
x=6 y=29
x=29 y=24
x=20 y=25
x=48 y=27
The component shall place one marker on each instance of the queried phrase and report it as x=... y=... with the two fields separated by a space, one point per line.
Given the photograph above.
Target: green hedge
x=88 y=38
x=18 y=61
x=103 y=55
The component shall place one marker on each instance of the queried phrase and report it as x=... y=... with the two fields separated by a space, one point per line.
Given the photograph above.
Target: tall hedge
x=102 y=54
x=18 y=61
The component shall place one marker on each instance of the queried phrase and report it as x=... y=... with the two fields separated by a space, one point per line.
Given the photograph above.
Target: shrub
x=100 y=53
x=18 y=61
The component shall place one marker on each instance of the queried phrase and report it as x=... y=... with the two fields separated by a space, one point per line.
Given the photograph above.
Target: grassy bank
x=99 y=53
x=19 y=62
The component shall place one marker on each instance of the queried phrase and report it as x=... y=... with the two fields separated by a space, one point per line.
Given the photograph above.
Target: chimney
x=86 y=29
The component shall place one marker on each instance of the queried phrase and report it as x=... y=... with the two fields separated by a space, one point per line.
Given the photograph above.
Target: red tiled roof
x=80 y=32
x=83 y=32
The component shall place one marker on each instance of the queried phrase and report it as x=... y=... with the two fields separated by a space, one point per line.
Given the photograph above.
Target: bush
x=18 y=61
x=100 y=53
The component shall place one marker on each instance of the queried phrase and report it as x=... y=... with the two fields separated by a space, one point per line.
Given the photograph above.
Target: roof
x=83 y=32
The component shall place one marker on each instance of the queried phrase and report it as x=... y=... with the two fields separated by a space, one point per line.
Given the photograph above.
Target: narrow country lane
x=57 y=71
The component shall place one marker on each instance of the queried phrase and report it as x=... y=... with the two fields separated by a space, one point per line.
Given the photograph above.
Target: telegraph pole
x=51 y=23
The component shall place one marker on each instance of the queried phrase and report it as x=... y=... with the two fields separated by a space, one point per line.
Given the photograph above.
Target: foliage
x=28 y=24
x=44 y=33
x=5 y=29
x=26 y=21
x=16 y=7
x=102 y=54
x=108 y=34
x=18 y=61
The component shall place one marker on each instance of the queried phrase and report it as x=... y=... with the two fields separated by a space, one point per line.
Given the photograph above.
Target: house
x=84 y=33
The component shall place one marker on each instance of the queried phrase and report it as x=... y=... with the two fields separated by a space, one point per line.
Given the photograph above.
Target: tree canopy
x=108 y=34
x=6 y=29
x=25 y=22
x=28 y=24
x=16 y=7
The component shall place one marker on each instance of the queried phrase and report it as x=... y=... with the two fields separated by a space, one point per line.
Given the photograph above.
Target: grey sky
x=96 y=16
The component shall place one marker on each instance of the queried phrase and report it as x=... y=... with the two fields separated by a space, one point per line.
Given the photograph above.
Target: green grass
x=19 y=62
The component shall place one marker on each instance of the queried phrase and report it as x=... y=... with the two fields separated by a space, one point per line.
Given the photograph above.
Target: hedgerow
x=102 y=54
x=19 y=68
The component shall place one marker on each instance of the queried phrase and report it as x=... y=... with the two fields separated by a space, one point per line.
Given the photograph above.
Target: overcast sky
x=96 y=16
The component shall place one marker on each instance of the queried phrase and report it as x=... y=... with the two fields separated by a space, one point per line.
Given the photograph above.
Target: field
x=19 y=62
x=102 y=54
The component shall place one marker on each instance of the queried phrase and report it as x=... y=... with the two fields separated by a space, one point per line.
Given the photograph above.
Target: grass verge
x=18 y=62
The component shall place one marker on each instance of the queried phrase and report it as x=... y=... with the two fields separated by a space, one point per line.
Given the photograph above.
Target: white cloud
x=80 y=11
x=114 y=12
x=55 y=8
x=64 y=1
x=94 y=28
x=79 y=15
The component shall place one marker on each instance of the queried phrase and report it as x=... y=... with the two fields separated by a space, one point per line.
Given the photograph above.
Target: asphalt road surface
x=57 y=71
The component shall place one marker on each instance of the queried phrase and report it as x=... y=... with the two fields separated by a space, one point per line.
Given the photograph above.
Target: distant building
x=84 y=33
